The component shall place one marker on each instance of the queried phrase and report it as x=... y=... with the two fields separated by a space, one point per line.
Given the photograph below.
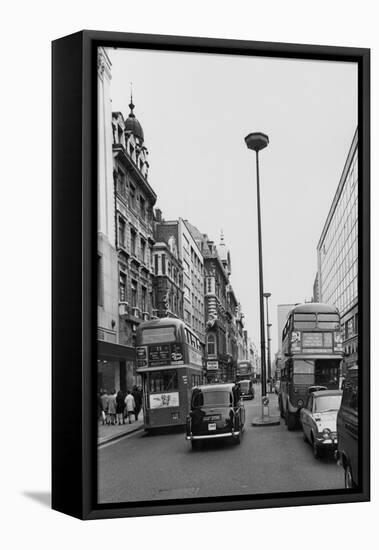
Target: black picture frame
x=74 y=149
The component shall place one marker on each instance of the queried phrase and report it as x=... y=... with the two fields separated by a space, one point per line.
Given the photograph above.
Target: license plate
x=212 y=426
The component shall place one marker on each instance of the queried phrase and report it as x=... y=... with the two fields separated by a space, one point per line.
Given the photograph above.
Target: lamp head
x=256 y=141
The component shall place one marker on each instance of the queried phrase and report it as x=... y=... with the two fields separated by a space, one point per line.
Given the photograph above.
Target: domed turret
x=132 y=124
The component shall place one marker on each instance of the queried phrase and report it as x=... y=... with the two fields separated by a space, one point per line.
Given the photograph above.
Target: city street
x=269 y=459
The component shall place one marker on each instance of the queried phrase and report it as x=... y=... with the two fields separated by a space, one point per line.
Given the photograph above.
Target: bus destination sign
x=159 y=355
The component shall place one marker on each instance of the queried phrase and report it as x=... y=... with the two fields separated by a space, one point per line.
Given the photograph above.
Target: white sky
x=196 y=109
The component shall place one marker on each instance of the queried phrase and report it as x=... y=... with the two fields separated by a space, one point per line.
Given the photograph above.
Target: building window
x=131 y=150
x=211 y=344
x=121 y=232
x=133 y=246
x=143 y=298
x=134 y=293
x=121 y=184
x=163 y=264
x=142 y=203
x=100 y=282
x=143 y=250
x=156 y=264
x=122 y=287
x=132 y=197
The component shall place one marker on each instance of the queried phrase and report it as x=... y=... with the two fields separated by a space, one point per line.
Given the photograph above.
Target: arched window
x=211 y=344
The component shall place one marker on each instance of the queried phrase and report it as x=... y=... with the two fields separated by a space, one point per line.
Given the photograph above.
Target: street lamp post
x=256 y=142
x=268 y=324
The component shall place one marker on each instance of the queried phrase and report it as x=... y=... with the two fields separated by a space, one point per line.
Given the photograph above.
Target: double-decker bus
x=170 y=362
x=311 y=356
x=244 y=370
x=244 y=377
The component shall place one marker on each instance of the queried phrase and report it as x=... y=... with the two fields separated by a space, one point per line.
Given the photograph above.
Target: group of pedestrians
x=117 y=408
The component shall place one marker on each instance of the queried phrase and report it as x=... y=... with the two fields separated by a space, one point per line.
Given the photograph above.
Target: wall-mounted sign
x=212 y=365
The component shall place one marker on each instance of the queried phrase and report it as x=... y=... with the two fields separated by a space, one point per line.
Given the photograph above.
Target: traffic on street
x=143 y=466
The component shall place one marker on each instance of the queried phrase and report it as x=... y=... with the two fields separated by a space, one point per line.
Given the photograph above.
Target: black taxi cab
x=217 y=411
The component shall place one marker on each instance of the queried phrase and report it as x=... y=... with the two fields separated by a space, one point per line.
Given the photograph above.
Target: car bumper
x=326 y=442
x=191 y=437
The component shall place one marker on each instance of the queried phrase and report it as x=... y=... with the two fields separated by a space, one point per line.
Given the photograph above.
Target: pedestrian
x=129 y=406
x=111 y=418
x=120 y=407
x=137 y=400
x=104 y=406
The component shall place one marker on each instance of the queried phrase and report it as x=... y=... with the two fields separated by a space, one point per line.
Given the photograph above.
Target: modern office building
x=337 y=254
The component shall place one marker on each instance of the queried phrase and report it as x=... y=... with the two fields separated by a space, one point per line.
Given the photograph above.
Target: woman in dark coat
x=120 y=406
x=138 y=401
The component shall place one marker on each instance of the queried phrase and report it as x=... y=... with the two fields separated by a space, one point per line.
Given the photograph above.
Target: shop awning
x=115 y=352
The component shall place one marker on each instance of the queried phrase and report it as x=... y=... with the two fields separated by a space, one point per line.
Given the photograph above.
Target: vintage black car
x=217 y=411
x=347 y=429
x=246 y=389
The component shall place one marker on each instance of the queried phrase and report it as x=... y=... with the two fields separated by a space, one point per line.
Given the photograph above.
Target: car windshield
x=244 y=386
x=324 y=403
x=209 y=398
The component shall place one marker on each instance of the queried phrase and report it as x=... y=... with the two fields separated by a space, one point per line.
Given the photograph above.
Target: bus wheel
x=291 y=421
x=349 y=483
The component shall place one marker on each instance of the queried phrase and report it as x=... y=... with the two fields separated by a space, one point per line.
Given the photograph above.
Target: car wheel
x=237 y=439
x=316 y=449
x=349 y=482
x=291 y=421
x=196 y=445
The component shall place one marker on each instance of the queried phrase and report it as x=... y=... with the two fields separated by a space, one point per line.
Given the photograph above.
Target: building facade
x=134 y=237
x=112 y=356
x=168 y=280
x=191 y=260
x=221 y=310
x=337 y=255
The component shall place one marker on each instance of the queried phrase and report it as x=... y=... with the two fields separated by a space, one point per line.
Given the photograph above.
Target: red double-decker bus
x=311 y=356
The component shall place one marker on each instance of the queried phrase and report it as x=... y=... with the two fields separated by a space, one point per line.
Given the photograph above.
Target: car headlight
x=326 y=433
x=300 y=403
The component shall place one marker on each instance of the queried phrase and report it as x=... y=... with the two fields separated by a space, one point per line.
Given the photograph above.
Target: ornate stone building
x=221 y=309
x=168 y=280
x=134 y=238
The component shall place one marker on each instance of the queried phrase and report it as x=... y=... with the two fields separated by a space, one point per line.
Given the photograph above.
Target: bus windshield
x=158 y=335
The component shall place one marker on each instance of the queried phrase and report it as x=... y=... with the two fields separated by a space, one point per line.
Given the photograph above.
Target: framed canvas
x=211 y=290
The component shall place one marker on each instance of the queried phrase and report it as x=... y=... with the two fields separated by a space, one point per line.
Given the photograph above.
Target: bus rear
x=170 y=363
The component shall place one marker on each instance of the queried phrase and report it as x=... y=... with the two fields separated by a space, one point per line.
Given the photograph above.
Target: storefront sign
x=159 y=400
x=212 y=365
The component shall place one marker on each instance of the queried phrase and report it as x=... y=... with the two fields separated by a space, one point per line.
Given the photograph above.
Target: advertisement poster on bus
x=159 y=400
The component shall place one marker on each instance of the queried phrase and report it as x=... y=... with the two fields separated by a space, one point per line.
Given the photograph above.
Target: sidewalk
x=109 y=433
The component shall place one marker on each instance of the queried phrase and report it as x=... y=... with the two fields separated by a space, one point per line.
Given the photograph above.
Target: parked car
x=217 y=411
x=347 y=429
x=246 y=389
x=319 y=420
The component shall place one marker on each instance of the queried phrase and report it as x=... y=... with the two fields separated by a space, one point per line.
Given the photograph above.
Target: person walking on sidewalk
x=120 y=407
x=104 y=405
x=112 y=408
x=129 y=405
x=137 y=400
